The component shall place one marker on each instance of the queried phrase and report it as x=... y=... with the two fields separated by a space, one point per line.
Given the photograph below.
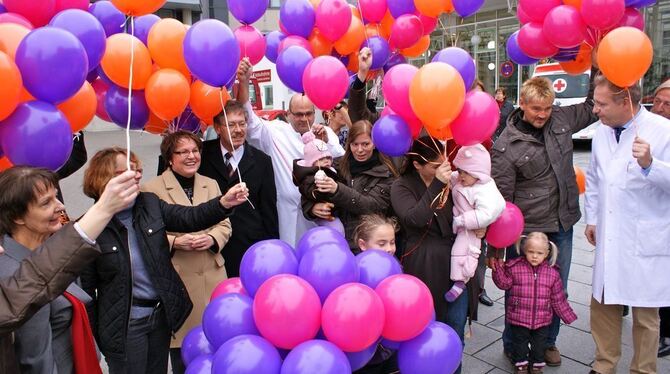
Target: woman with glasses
x=196 y=255
x=139 y=300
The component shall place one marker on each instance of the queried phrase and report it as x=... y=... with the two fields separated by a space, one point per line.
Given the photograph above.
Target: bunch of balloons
x=568 y=30
x=318 y=309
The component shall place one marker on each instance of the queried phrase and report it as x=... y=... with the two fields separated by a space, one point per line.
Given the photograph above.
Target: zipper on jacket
x=533 y=311
x=130 y=305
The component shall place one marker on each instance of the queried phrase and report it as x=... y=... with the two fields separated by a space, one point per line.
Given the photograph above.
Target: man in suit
x=226 y=160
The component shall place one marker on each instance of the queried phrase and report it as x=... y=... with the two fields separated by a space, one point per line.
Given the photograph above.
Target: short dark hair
x=502 y=90
x=21 y=186
x=231 y=106
x=170 y=141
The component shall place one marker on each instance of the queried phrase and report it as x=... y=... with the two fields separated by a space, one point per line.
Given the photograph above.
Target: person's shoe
x=521 y=369
x=664 y=347
x=485 y=299
x=626 y=310
x=536 y=370
x=552 y=356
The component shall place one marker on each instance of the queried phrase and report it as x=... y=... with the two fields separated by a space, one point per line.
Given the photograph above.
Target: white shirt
x=237 y=155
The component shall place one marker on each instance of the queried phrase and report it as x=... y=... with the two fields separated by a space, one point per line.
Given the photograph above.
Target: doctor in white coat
x=283 y=143
x=628 y=220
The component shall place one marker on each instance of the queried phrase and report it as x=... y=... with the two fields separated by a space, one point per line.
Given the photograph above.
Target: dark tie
x=617 y=133
x=229 y=165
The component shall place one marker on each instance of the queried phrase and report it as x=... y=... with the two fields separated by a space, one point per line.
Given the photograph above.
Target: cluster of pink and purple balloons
x=318 y=309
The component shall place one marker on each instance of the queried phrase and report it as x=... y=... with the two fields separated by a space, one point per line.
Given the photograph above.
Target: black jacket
x=109 y=280
x=249 y=225
x=506 y=109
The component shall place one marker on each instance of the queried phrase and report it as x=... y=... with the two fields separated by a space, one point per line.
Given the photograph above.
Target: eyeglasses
x=185 y=153
x=303 y=114
x=338 y=107
x=241 y=125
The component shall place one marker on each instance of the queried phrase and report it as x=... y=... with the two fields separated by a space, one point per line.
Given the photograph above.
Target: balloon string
x=365 y=33
x=632 y=112
x=130 y=89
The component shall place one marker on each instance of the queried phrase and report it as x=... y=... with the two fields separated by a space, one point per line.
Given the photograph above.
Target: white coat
x=283 y=144
x=631 y=213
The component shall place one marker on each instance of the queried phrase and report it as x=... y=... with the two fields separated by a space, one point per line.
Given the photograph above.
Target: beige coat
x=200 y=271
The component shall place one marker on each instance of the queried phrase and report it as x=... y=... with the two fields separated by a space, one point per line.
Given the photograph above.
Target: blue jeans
x=563 y=240
x=457 y=315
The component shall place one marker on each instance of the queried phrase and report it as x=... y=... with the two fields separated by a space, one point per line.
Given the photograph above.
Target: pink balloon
x=534 y=43
x=395 y=87
x=507 y=229
x=429 y=23
x=333 y=18
x=287 y=311
x=633 y=18
x=325 y=81
x=406 y=31
x=536 y=10
x=252 y=43
x=352 y=317
x=602 y=14
x=16 y=18
x=478 y=119
x=61 y=5
x=408 y=306
x=38 y=12
x=373 y=10
x=230 y=285
x=295 y=40
x=563 y=27
x=521 y=15
x=100 y=88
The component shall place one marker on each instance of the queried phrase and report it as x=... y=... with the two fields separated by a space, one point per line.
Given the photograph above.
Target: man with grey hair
x=662 y=101
x=627 y=194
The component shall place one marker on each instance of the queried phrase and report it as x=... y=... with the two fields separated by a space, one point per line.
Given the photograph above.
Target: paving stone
x=580 y=273
x=576 y=344
x=497 y=324
x=583 y=322
x=481 y=338
x=486 y=314
x=579 y=293
x=493 y=355
x=568 y=366
x=473 y=365
x=582 y=256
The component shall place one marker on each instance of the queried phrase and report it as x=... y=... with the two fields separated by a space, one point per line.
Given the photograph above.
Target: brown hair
x=369 y=222
x=620 y=93
x=537 y=88
x=170 y=142
x=231 y=106
x=423 y=151
x=502 y=90
x=480 y=84
x=358 y=128
x=21 y=187
x=542 y=237
x=102 y=168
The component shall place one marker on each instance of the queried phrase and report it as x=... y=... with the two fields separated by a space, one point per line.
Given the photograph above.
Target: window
x=268 y=101
x=276 y=3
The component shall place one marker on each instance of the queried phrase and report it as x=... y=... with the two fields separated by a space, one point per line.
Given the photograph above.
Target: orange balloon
x=320 y=45
x=80 y=108
x=26 y=96
x=430 y=86
x=355 y=11
x=166 y=44
x=449 y=7
x=353 y=62
x=442 y=133
x=418 y=49
x=5 y=163
x=116 y=61
x=581 y=63
x=11 y=35
x=352 y=40
x=138 y=7
x=624 y=55
x=575 y=3
x=156 y=125
x=431 y=8
x=167 y=93
x=206 y=101
x=10 y=89
x=372 y=29
x=386 y=25
x=581 y=179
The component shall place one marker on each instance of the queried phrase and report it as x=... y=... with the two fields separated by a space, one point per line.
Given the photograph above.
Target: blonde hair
x=542 y=237
x=537 y=88
x=369 y=222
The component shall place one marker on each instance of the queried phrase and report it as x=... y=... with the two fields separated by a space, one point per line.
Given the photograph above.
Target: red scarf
x=83 y=346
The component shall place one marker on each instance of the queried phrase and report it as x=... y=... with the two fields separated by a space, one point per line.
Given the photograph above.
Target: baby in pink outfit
x=477 y=204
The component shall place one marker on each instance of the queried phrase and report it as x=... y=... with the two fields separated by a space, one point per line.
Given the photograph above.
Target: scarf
x=186 y=184
x=529 y=129
x=84 y=357
x=357 y=167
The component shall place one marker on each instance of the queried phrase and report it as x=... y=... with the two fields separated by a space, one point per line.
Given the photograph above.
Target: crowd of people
x=132 y=276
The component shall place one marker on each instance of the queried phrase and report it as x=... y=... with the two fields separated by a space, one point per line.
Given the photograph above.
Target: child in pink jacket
x=477 y=204
x=535 y=294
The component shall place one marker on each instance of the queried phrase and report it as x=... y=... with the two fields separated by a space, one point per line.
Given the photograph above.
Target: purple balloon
x=87 y=29
x=112 y=19
x=376 y=265
x=103 y=76
x=248 y=11
x=116 y=105
x=327 y=267
x=246 y=354
x=317 y=236
x=2 y=9
x=395 y=59
x=187 y=121
x=264 y=260
x=92 y=75
x=359 y=359
x=515 y=53
x=212 y=40
x=53 y=64
x=143 y=25
x=36 y=134
x=466 y=8
x=392 y=136
x=316 y=356
x=195 y=344
x=291 y=64
x=380 y=51
x=228 y=316
x=461 y=61
x=640 y=3
x=566 y=54
x=400 y=7
x=438 y=349
x=272 y=41
x=298 y=17
x=200 y=365
x=391 y=344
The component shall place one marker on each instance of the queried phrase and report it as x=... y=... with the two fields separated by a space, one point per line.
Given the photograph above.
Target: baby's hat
x=315 y=149
x=474 y=160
